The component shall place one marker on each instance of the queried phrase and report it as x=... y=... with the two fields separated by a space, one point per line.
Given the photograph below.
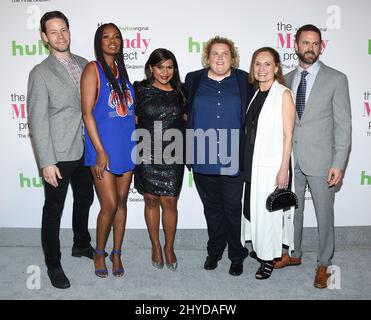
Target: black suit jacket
x=192 y=82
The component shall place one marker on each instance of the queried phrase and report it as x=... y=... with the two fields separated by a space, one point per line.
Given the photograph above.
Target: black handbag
x=281 y=199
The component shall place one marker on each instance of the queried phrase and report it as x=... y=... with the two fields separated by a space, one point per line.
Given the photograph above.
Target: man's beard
x=308 y=60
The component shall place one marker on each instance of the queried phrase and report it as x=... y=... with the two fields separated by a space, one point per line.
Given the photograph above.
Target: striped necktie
x=300 y=94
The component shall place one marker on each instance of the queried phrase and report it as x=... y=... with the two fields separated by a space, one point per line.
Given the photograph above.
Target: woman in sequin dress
x=160 y=106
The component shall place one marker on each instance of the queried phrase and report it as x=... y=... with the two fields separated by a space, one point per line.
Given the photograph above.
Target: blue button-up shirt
x=217 y=110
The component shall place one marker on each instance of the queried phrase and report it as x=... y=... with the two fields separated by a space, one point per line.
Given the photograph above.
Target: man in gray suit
x=322 y=139
x=54 y=110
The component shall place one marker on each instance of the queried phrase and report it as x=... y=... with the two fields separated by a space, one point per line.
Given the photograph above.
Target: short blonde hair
x=217 y=39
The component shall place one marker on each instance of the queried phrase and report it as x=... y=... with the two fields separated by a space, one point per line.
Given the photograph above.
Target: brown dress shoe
x=320 y=281
x=287 y=261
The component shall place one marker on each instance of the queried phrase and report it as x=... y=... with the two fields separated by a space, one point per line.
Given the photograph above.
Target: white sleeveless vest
x=268 y=230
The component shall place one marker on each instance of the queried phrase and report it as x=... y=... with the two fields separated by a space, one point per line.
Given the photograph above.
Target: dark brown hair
x=156 y=58
x=52 y=15
x=277 y=60
x=308 y=27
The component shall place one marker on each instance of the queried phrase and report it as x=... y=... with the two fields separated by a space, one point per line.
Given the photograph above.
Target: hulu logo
x=194 y=45
x=30 y=182
x=369 y=46
x=29 y=50
x=365 y=179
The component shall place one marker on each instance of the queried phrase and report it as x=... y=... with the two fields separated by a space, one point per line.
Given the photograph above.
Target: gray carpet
x=20 y=248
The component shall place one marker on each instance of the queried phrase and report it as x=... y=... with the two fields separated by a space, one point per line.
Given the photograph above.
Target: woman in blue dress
x=108 y=112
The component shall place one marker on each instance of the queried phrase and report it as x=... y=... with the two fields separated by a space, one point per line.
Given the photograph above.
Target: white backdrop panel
x=181 y=27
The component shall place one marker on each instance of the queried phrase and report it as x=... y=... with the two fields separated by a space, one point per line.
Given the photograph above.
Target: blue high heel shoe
x=101 y=273
x=120 y=271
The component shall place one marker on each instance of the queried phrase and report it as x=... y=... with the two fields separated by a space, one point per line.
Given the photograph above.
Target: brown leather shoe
x=287 y=261
x=320 y=281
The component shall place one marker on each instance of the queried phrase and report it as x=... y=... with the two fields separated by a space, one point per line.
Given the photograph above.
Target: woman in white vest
x=269 y=126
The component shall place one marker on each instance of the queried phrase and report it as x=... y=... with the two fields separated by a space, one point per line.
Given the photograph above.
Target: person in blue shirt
x=217 y=98
x=108 y=113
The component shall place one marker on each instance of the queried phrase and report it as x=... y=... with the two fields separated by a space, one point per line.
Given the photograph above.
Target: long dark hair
x=156 y=58
x=119 y=59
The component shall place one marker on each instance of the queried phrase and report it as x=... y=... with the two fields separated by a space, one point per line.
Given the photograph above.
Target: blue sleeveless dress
x=115 y=123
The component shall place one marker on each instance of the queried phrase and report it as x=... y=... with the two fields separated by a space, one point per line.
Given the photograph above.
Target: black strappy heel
x=265 y=270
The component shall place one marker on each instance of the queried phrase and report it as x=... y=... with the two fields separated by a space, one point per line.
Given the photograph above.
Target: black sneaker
x=58 y=278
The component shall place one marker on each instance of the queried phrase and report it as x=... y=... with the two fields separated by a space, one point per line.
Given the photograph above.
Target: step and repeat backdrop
x=182 y=27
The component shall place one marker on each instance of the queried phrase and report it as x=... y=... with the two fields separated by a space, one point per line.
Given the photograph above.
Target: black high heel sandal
x=265 y=270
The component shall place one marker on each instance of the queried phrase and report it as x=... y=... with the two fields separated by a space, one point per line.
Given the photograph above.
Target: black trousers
x=246 y=200
x=83 y=195
x=221 y=197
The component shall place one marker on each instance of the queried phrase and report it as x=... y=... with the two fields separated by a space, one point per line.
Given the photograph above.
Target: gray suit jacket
x=322 y=137
x=54 y=111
